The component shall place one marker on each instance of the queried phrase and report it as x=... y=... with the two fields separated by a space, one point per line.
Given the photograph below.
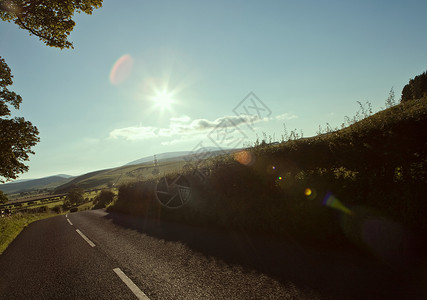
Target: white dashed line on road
x=85 y=238
x=132 y=286
x=70 y=222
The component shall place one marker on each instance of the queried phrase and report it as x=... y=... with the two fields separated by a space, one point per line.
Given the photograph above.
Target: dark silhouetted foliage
x=3 y=198
x=50 y=20
x=17 y=136
x=308 y=188
x=416 y=88
x=57 y=209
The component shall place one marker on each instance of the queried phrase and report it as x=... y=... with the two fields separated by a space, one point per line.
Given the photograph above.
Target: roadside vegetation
x=15 y=217
x=11 y=226
x=363 y=183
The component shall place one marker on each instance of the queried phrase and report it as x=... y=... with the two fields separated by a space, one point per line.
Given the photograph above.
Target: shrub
x=57 y=209
x=104 y=198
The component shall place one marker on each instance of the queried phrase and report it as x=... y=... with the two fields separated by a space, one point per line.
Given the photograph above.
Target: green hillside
x=117 y=176
x=33 y=186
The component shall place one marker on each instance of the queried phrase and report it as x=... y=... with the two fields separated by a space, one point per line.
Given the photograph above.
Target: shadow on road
x=337 y=274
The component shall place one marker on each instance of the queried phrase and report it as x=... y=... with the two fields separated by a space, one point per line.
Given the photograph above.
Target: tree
x=3 y=198
x=74 y=197
x=17 y=136
x=50 y=20
x=416 y=88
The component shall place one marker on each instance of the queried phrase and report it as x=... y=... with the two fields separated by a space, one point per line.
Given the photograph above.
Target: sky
x=148 y=77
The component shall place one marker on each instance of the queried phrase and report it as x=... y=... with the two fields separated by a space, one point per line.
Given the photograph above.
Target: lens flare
x=331 y=201
x=121 y=69
x=245 y=157
x=308 y=192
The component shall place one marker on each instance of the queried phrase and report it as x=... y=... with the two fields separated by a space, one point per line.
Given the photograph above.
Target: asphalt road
x=95 y=255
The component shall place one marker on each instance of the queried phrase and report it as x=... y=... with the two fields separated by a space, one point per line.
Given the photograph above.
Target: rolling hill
x=136 y=170
x=30 y=185
x=139 y=169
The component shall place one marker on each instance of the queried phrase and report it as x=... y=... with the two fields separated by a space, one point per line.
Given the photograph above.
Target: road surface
x=96 y=255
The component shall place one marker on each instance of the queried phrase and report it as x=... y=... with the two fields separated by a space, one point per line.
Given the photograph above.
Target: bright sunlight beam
x=163 y=99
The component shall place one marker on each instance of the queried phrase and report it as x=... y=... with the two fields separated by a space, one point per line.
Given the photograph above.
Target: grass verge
x=11 y=227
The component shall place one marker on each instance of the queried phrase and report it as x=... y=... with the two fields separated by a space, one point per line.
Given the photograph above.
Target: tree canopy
x=17 y=136
x=74 y=197
x=50 y=20
x=3 y=198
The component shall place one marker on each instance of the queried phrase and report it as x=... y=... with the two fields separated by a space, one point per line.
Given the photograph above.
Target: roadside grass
x=85 y=206
x=11 y=227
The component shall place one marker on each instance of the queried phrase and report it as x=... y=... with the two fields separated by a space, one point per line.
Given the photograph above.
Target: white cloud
x=134 y=133
x=182 y=126
x=182 y=119
x=286 y=116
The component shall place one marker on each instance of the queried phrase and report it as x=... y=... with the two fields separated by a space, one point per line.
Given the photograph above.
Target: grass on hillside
x=105 y=179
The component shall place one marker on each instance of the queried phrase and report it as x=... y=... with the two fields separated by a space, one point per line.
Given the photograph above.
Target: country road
x=97 y=255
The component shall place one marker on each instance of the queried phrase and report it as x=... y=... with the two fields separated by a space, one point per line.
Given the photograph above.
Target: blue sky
x=185 y=65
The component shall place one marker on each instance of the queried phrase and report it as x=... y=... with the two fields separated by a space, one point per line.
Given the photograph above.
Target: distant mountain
x=160 y=157
x=27 y=185
x=76 y=181
x=174 y=155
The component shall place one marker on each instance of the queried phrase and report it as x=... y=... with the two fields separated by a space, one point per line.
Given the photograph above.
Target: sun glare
x=163 y=99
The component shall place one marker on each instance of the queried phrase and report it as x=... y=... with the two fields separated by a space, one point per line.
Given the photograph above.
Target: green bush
x=57 y=209
x=104 y=198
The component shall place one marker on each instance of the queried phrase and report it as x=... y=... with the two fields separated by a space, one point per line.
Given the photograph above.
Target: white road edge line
x=85 y=238
x=70 y=222
x=132 y=286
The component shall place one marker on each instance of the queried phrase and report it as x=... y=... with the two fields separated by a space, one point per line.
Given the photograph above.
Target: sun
x=163 y=99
